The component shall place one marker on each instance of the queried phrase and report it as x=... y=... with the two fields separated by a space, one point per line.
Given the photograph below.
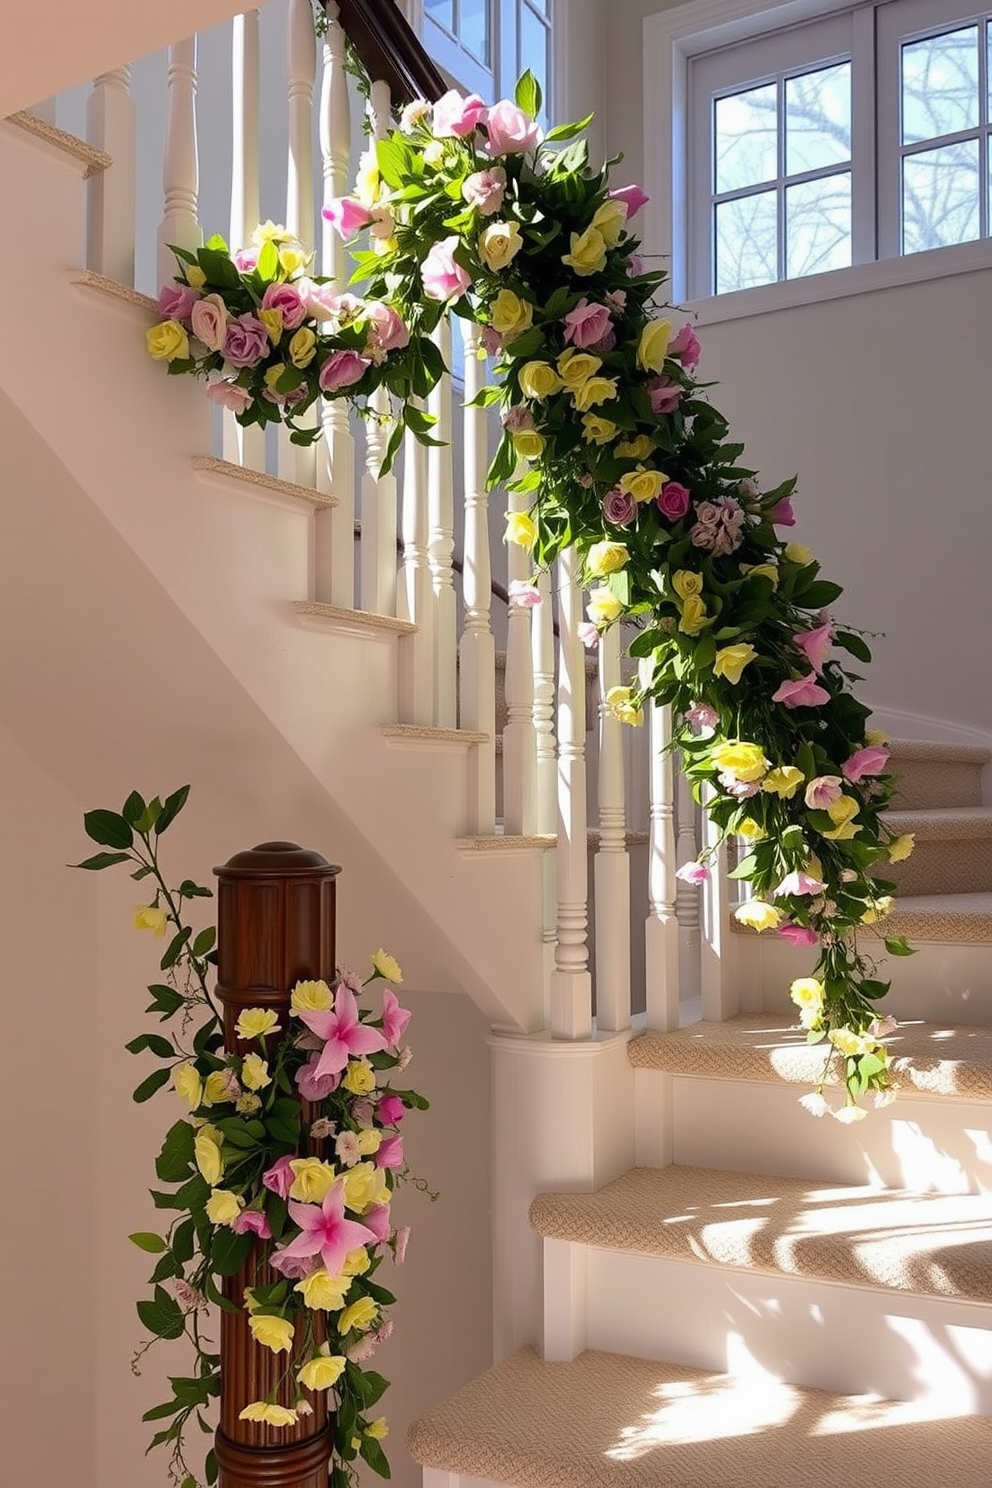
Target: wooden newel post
x=275 y=928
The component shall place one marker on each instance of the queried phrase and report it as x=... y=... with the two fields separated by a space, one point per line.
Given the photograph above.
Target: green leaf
x=219 y=269
x=175 y=948
x=821 y=592
x=528 y=94
x=854 y=644
x=107 y=828
x=162 y=1316
x=164 y=1436
x=183 y=1241
x=214 y=1294
x=133 y=808
x=204 y=942
x=569 y=131
x=103 y=860
x=167 y=1267
x=190 y=890
x=229 y=1251
x=153 y=1041
x=898 y=945
x=146 y=821
x=210 y=1467
x=173 y=1162
x=145 y=1240
x=173 y=805
x=159 y=1412
x=148 y=1087
x=165 y=1000
x=375 y=1456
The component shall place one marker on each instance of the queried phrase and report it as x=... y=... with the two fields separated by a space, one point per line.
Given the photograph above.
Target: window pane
x=988 y=69
x=473 y=26
x=746 y=241
x=442 y=11
x=940 y=85
x=818 y=225
x=818 y=119
x=534 y=50
x=745 y=139
x=541 y=5
x=940 y=197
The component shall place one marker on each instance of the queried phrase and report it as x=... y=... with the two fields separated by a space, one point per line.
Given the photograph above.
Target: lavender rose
x=246 y=342
x=619 y=507
x=673 y=501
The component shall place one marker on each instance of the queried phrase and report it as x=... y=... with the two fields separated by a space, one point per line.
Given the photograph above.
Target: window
x=484 y=46
x=799 y=162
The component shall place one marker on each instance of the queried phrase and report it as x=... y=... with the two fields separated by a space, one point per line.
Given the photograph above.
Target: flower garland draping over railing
x=471 y=208
x=244 y=1176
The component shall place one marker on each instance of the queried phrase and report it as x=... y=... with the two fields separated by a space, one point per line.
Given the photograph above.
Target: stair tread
x=362 y=621
x=938 y=823
x=931 y=1059
x=228 y=471
x=611 y=1421
x=89 y=160
x=924 y=750
x=936 y=1244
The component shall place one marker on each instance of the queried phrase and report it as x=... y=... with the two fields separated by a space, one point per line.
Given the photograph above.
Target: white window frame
x=670 y=39
x=506 y=63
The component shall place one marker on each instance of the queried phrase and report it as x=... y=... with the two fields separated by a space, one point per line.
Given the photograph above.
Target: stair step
x=89 y=279
x=610 y=1421
x=86 y=158
x=316 y=615
x=953 y=853
x=505 y=842
x=936 y=1245
x=935 y=775
x=419 y=735
x=257 y=483
x=961 y=918
x=927 y=1059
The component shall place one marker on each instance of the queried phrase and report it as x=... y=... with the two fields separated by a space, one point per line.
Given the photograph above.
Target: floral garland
x=472 y=208
x=246 y=1181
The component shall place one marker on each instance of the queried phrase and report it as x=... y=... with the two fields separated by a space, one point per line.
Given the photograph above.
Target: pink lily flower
x=252 y=1222
x=798 y=934
x=870 y=761
x=390 y=1153
x=799 y=883
x=378 y=1221
x=781 y=514
x=325 y=1231
x=815 y=645
x=343 y=1033
x=394 y=1019
x=693 y=873
x=801 y=692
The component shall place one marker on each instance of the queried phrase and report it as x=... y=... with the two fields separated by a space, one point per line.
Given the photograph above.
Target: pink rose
x=208 y=320
x=781 y=513
x=518 y=418
x=587 y=634
x=252 y=1222
x=295 y=1267
x=685 y=347
x=491 y=341
x=741 y=790
x=823 y=792
x=390 y=1110
x=510 y=130
x=635 y=266
x=246 y=260
x=346 y=215
x=314 y=1087
x=882 y=1027
x=443 y=278
x=632 y=197
x=524 y=594
x=693 y=873
x=342 y=369
x=456 y=117
x=799 y=935
x=605 y=343
x=286 y=298
x=228 y=395
x=664 y=394
x=870 y=761
x=246 y=341
x=673 y=501
x=798 y=884
x=485 y=190
x=586 y=323
x=702 y=715
x=324 y=302
x=802 y=692
x=176 y=301
x=387 y=329
x=815 y=645
x=280 y=1177
x=619 y=507
x=390 y=1153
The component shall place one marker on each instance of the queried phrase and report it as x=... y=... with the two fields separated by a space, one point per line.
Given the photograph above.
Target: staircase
x=695 y=1282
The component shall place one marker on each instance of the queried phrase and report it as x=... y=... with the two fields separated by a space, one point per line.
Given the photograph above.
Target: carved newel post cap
x=280 y=859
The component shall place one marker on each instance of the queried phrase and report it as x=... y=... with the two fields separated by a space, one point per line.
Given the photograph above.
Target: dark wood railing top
x=390 y=50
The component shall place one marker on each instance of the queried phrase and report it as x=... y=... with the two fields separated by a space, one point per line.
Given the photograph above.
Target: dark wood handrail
x=390 y=50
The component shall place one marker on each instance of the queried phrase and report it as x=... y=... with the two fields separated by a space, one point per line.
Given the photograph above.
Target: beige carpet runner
x=935 y=1244
x=608 y=1421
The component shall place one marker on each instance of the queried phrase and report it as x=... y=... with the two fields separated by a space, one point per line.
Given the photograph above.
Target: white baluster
x=181 y=171
x=477 y=652
x=414 y=598
x=296 y=462
x=720 y=990
x=686 y=896
x=244 y=446
x=334 y=537
x=661 y=947
x=519 y=735
x=110 y=210
x=441 y=540
x=612 y=864
x=571 y=982
x=543 y=665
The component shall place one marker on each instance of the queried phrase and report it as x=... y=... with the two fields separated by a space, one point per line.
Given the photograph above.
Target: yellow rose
x=761 y=571
x=876 y=738
x=783 y=781
x=270 y=232
x=757 y=914
x=359 y=1077
x=268 y=1414
x=685 y=582
x=693 y=618
x=751 y=831
x=187 y=1083
x=509 y=315
x=251 y=1302
x=255 y=1072
x=605 y=558
x=312 y=1180
x=323 y=1292
x=216 y=1088
x=742 y=761
x=369 y=1141
x=618 y=700
x=292 y=259
x=195 y=277
x=528 y=444
x=521 y=529
x=433 y=153
x=596 y=430
x=311 y=997
x=643 y=485
x=364 y=1186
x=361 y=1314
x=878 y=910
x=147 y=917
x=223 y=1207
x=368 y=182
x=387 y=966
x=322 y=1372
x=653 y=345
x=256 y=1023
x=356 y=1262
x=603 y=607
x=539 y=380
x=609 y=221
x=167 y=341
x=798 y=553
x=377 y=1429
x=302 y=348
x=849 y=1043
x=842 y=813
x=275 y=1333
x=635 y=449
x=587 y=253
x=731 y=660
x=499 y=244
x=206 y=1149
x=272 y=321
x=807 y=993
x=272 y=375
x=900 y=849
x=576 y=367
x=593 y=391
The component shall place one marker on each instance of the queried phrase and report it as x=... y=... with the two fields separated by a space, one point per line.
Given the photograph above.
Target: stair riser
x=850 y=1339
x=927 y=786
x=927 y=1144
x=954 y=866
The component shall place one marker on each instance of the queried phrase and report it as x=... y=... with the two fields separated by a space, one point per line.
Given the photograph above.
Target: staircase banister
x=390 y=50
